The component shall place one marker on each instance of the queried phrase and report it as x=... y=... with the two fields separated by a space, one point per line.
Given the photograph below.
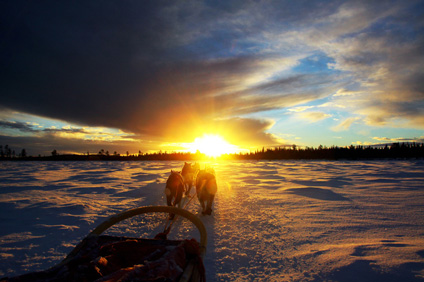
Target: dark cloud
x=24 y=127
x=104 y=63
x=65 y=130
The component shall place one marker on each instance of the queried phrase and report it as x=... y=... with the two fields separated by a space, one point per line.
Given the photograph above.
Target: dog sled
x=104 y=258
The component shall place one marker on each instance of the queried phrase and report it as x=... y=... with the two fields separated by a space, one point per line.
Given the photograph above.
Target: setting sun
x=212 y=145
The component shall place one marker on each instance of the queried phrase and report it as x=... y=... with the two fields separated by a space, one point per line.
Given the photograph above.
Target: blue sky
x=146 y=76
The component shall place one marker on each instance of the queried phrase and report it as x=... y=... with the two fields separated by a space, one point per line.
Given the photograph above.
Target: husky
x=206 y=189
x=196 y=167
x=189 y=173
x=174 y=188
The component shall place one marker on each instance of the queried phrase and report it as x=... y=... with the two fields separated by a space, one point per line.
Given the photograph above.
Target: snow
x=272 y=220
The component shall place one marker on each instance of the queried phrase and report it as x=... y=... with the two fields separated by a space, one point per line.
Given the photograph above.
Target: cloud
x=345 y=124
x=26 y=127
x=20 y=126
x=400 y=139
x=382 y=113
x=378 y=49
x=124 y=66
x=314 y=116
x=17 y=130
x=300 y=109
x=360 y=143
x=386 y=67
x=248 y=132
x=345 y=92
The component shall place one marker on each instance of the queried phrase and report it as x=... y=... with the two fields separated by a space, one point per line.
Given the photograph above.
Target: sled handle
x=151 y=209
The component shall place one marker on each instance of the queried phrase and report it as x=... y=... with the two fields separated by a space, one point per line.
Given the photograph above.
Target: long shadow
x=366 y=271
x=317 y=193
x=210 y=257
x=337 y=182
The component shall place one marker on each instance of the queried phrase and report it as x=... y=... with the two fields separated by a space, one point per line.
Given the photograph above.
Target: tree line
x=389 y=151
x=7 y=152
x=392 y=151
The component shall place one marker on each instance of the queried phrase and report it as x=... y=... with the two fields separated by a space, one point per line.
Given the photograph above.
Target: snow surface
x=272 y=220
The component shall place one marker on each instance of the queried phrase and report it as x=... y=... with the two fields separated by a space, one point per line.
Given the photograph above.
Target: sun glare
x=212 y=145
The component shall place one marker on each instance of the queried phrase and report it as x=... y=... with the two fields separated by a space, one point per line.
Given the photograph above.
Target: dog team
x=180 y=183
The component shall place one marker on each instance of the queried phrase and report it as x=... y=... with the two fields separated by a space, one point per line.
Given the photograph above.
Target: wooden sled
x=104 y=258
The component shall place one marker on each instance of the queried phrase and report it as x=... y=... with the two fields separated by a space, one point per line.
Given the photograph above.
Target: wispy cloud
x=400 y=139
x=345 y=92
x=20 y=126
x=345 y=124
x=300 y=109
x=314 y=116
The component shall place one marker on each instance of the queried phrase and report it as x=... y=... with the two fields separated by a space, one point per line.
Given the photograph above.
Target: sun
x=212 y=146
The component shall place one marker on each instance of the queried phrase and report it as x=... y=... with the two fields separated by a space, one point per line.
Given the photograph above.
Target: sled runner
x=109 y=258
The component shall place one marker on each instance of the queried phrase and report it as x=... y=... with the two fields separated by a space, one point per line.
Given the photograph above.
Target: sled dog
x=189 y=173
x=206 y=189
x=174 y=188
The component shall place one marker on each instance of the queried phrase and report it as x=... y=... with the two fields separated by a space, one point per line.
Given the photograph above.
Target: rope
x=163 y=235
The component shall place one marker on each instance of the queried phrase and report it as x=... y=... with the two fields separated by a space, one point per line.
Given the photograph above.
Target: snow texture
x=271 y=220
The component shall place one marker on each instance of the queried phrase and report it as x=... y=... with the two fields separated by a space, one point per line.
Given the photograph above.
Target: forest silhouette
x=388 y=151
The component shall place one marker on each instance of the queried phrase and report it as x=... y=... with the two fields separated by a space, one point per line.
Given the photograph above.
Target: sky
x=81 y=76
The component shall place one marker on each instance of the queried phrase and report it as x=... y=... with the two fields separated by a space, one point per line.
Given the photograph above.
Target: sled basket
x=103 y=258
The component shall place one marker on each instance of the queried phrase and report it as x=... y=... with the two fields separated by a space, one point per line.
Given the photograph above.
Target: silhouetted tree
x=7 y=151
x=54 y=153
